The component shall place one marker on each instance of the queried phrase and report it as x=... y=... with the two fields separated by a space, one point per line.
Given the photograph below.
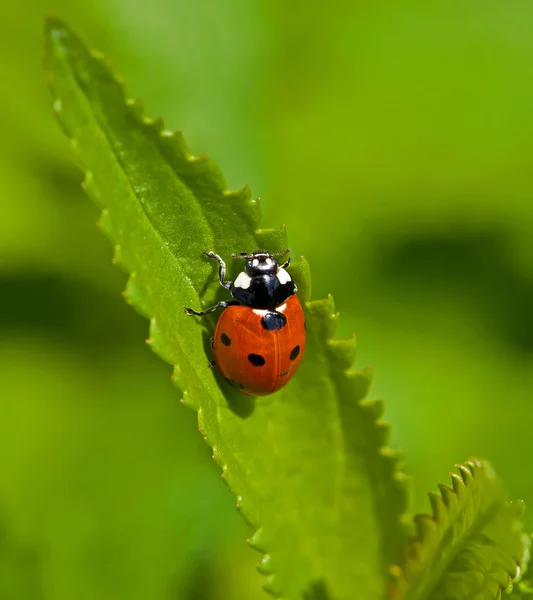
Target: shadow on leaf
x=317 y=591
x=240 y=404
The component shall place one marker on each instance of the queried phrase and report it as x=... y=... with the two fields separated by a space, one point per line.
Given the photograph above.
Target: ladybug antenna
x=286 y=251
x=249 y=255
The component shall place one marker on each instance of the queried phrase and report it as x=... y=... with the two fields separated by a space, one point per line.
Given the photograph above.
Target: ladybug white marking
x=283 y=276
x=243 y=281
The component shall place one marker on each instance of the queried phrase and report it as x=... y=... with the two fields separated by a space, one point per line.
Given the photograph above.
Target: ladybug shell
x=255 y=360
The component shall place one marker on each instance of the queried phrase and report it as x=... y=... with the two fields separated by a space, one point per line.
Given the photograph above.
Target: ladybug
x=260 y=336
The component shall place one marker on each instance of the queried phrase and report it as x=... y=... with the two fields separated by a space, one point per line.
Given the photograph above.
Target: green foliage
x=471 y=547
x=524 y=589
x=309 y=464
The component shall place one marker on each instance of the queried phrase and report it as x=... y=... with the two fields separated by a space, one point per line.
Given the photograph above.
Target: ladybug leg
x=286 y=263
x=221 y=269
x=223 y=304
x=211 y=363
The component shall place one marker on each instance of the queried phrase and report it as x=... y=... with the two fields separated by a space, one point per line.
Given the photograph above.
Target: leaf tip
x=186 y=401
x=265 y=565
x=343 y=351
x=57 y=106
x=54 y=25
x=117 y=257
x=457 y=484
x=87 y=182
x=447 y=494
x=466 y=473
x=425 y=524
x=270 y=586
x=256 y=541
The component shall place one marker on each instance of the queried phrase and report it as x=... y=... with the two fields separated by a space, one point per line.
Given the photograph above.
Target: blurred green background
x=396 y=143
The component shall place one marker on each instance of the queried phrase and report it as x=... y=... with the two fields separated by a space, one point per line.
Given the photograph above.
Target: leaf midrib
x=161 y=154
x=196 y=367
x=102 y=129
x=152 y=228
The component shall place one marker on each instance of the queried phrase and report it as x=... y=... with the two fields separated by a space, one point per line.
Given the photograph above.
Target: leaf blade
x=308 y=460
x=471 y=547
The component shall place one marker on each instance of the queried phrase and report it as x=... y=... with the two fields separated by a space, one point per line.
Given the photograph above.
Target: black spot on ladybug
x=294 y=353
x=235 y=384
x=256 y=359
x=273 y=320
x=225 y=340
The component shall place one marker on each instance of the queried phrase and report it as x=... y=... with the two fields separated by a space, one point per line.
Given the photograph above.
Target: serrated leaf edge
x=427 y=524
x=343 y=350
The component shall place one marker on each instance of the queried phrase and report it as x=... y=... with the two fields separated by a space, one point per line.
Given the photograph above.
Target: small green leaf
x=471 y=548
x=308 y=465
x=523 y=590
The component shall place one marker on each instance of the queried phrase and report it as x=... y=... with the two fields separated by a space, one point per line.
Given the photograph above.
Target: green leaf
x=308 y=464
x=524 y=588
x=471 y=548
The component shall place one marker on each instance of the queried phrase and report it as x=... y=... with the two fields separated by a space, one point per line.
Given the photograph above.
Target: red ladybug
x=259 y=339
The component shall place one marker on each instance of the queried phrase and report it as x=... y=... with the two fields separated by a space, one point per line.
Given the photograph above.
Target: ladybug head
x=261 y=262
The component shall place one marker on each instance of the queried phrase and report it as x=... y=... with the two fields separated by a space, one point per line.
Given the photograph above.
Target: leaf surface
x=524 y=589
x=308 y=464
x=470 y=548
